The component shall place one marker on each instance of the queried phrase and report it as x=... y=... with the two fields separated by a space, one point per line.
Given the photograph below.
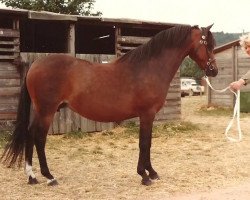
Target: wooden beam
x=132 y=40
x=9 y=33
x=125 y=48
x=15 y=43
x=43 y=15
x=7 y=57
x=9 y=49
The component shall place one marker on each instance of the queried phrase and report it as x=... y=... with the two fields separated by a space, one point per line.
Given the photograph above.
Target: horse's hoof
x=52 y=182
x=32 y=181
x=154 y=176
x=146 y=182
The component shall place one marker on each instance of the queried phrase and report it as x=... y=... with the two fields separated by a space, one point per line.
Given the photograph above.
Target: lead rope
x=235 y=113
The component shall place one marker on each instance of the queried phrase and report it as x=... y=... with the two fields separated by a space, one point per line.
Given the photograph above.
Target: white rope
x=235 y=113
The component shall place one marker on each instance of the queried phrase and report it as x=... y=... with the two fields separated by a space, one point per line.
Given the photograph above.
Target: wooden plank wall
x=9 y=90
x=172 y=108
x=232 y=63
x=226 y=66
x=9 y=75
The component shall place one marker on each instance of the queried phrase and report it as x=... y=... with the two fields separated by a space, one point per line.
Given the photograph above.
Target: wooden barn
x=30 y=34
x=232 y=63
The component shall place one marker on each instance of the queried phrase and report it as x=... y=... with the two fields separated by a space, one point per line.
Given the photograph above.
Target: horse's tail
x=14 y=149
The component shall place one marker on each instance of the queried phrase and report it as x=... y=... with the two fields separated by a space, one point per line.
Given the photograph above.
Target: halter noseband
x=203 y=41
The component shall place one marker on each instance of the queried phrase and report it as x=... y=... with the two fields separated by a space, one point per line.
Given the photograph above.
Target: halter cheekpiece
x=203 y=41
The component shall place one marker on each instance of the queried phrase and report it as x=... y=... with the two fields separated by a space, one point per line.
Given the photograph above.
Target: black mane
x=173 y=37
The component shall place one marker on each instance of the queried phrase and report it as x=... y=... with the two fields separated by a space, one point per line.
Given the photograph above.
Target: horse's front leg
x=144 y=163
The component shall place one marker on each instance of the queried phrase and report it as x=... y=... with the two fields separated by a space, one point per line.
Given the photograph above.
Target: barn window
x=92 y=39
x=44 y=36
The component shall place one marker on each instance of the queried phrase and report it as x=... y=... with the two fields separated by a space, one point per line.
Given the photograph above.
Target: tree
x=189 y=68
x=72 y=7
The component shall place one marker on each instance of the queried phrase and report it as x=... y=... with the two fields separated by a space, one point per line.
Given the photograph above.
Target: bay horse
x=133 y=85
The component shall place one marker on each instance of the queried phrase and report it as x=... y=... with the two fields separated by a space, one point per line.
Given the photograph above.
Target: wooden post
x=71 y=39
x=117 y=35
x=234 y=68
x=16 y=40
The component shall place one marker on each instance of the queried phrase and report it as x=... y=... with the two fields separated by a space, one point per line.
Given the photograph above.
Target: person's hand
x=237 y=84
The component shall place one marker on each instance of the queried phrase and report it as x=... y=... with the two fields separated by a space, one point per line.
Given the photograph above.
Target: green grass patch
x=4 y=135
x=76 y=135
x=174 y=128
x=215 y=110
x=131 y=130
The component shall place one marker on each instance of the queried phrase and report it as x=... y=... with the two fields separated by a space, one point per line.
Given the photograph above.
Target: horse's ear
x=209 y=27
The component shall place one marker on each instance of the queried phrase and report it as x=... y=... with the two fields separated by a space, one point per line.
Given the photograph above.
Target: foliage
x=223 y=38
x=189 y=68
x=73 y=7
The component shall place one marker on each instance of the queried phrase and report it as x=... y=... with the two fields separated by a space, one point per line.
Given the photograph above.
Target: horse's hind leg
x=28 y=158
x=39 y=129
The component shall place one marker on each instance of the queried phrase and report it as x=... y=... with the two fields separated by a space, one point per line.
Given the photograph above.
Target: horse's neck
x=170 y=60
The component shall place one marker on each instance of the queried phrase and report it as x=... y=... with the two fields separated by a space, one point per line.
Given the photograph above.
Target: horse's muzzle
x=211 y=71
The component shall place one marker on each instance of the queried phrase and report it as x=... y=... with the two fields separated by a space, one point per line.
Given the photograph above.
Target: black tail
x=14 y=149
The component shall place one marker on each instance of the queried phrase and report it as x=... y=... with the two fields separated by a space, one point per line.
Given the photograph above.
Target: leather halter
x=203 y=41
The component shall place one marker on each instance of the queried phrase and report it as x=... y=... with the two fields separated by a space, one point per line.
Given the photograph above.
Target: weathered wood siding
x=9 y=90
x=232 y=63
x=172 y=107
x=225 y=63
x=9 y=74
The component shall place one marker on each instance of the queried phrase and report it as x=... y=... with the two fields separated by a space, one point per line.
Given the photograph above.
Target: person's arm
x=246 y=77
x=236 y=85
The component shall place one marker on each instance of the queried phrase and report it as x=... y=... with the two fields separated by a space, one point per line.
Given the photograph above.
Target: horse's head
x=201 y=51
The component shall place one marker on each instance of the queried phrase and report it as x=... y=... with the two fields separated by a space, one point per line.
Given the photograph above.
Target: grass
x=76 y=135
x=172 y=129
x=3 y=137
x=215 y=110
x=131 y=130
x=126 y=131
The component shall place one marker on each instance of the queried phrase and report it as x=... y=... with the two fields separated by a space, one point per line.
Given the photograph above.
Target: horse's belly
x=104 y=113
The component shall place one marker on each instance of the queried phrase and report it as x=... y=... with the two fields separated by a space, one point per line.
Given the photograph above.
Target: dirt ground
x=193 y=165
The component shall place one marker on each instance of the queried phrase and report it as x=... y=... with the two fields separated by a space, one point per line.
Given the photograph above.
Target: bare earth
x=195 y=165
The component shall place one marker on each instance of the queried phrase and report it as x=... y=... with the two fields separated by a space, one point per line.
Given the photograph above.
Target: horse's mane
x=173 y=37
